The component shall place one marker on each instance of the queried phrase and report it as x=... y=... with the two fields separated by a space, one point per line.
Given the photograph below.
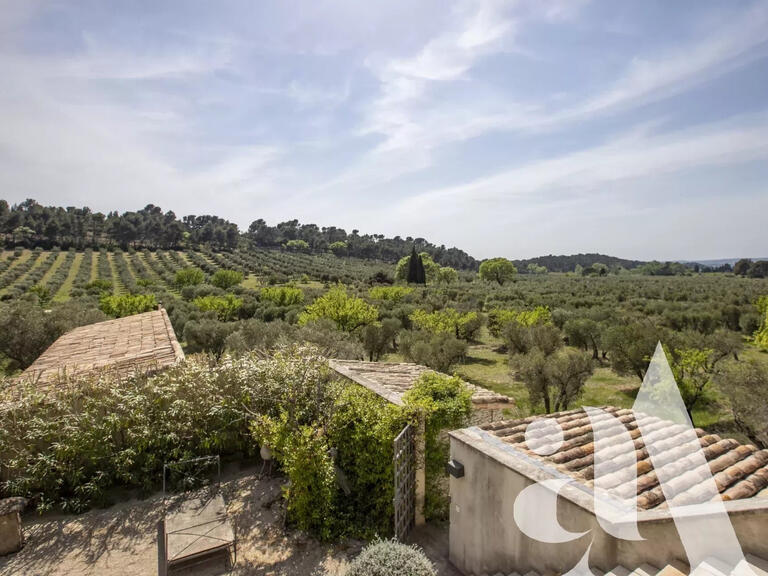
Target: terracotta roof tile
x=740 y=471
x=393 y=379
x=142 y=342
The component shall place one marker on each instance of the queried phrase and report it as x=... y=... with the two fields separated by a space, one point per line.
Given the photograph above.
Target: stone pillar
x=11 y=535
x=420 y=465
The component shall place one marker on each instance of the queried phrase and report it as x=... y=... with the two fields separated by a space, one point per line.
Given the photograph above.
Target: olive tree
x=497 y=270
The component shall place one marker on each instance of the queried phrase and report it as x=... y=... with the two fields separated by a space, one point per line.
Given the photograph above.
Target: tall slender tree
x=413 y=267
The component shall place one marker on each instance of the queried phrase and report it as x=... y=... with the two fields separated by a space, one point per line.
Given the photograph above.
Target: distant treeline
x=31 y=224
x=569 y=263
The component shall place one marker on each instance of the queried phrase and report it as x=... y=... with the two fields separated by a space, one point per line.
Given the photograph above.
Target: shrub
x=226 y=279
x=498 y=318
x=380 y=337
x=190 y=276
x=446 y=404
x=69 y=448
x=297 y=246
x=761 y=335
x=438 y=351
x=99 y=285
x=207 y=336
x=282 y=295
x=348 y=312
x=122 y=305
x=389 y=293
x=448 y=320
x=331 y=342
x=225 y=307
x=391 y=558
x=746 y=385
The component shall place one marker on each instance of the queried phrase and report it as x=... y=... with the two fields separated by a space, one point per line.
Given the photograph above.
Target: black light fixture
x=455 y=468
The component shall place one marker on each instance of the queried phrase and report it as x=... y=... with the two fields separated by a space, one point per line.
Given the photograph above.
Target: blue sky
x=638 y=129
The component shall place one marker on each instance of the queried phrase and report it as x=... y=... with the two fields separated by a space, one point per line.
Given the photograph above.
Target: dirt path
x=122 y=540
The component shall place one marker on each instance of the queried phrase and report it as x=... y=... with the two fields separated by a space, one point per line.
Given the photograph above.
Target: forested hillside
x=32 y=225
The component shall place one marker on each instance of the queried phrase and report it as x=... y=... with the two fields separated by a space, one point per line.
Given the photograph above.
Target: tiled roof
x=391 y=380
x=142 y=342
x=739 y=470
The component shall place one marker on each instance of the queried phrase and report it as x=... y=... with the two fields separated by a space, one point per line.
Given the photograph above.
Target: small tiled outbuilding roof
x=739 y=470
x=138 y=343
x=391 y=380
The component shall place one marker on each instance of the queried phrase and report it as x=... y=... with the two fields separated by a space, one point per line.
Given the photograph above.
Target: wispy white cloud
x=634 y=155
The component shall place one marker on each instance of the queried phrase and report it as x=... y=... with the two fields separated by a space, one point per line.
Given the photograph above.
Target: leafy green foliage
x=448 y=320
x=297 y=245
x=226 y=307
x=391 y=558
x=190 y=276
x=439 y=351
x=499 y=317
x=447 y=275
x=761 y=335
x=120 y=305
x=43 y=293
x=520 y=339
x=498 y=270
x=207 y=335
x=68 y=449
x=555 y=379
x=431 y=268
x=746 y=385
x=339 y=248
x=282 y=295
x=362 y=430
x=26 y=330
x=226 y=279
x=348 y=312
x=380 y=337
x=631 y=346
x=392 y=294
x=445 y=403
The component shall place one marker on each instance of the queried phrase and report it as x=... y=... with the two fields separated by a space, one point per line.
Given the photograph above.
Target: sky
x=505 y=128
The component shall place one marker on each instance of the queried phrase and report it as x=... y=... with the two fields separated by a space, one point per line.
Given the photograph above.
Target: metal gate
x=405 y=483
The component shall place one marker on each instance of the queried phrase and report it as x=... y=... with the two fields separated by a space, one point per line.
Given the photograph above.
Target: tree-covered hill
x=32 y=225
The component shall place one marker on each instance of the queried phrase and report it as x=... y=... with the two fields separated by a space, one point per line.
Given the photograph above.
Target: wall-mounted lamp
x=455 y=468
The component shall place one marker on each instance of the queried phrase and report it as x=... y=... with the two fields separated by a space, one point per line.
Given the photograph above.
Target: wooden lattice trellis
x=405 y=483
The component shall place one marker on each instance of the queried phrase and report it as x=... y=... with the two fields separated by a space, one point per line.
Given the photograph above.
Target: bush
x=389 y=293
x=391 y=558
x=226 y=279
x=498 y=318
x=448 y=320
x=208 y=336
x=70 y=447
x=122 y=305
x=225 y=307
x=282 y=295
x=348 y=312
x=190 y=276
x=438 y=351
x=446 y=404
x=380 y=337
x=26 y=330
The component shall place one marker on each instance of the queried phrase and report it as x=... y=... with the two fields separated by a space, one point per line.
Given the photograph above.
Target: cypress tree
x=413 y=267
x=421 y=275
